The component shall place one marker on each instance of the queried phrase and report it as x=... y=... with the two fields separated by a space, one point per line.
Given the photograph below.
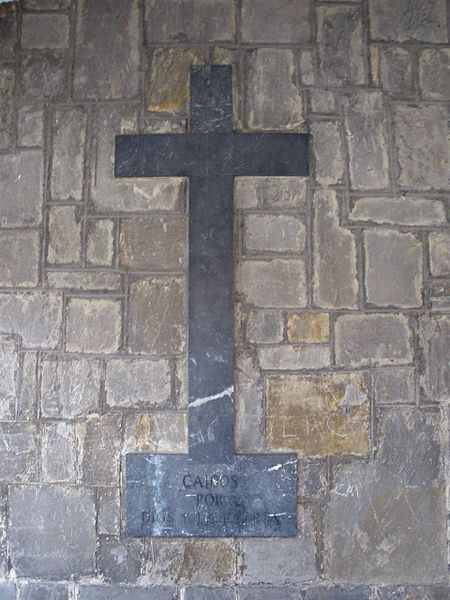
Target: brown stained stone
x=308 y=327
x=156 y=432
x=210 y=562
x=318 y=415
x=153 y=244
x=270 y=192
x=157 y=316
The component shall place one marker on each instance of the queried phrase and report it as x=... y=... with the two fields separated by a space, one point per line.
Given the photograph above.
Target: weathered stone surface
x=391 y=509
x=21 y=183
x=261 y=21
x=439 y=244
x=93 y=325
x=168 y=84
x=60 y=544
x=43 y=75
x=64 y=235
x=26 y=400
x=276 y=284
x=372 y=339
x=7 y=81
x=292 y=559
x=403 y=210
x=265 y=326
x=274 y=233
x=396 y=71
x=339 y=593
x=30 y=126
x=157 y=316
x=58 y=452
x=313 y=479
x=108 y=520
x=341 y=46
x=334 y=251
x=135 y=195
x=440 y=296
x=138 y=383
x=272 y=69
x=19 y=450
x=109 y=592
x=318 y=415
x=84 y=280
x=434 y=341
x=421 y=140
x=394 y=386
x=153 y=244
x=308 y=327
x=204 y=593
x=434 y=72
x=8 y=591
x=119 y=561
x=307 y=67
x=156 y=432
x=35 y=316
x=404 y=21
x=19 y=258
x=188 y=21
x=293 y=358
x=100 y=242
x=270 y=192
x=248 y=404
x=406 y=592
x=69 y=139
x=328 y=152
x=323 y=101
x=41 y=31
x=9 y=375
x=365 y=124
x=44 y=591
x=107 y=65
x=99 y=438
x=8 y=27
x=70 y=388
x=46 y=4
x=393 y=272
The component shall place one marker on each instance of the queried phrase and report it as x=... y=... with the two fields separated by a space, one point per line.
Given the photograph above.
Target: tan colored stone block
x=308 y=327
x=318 y=416
x=156 y=432
x=293 y=358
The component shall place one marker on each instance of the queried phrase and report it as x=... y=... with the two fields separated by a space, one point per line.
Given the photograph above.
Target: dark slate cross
x=211 y=491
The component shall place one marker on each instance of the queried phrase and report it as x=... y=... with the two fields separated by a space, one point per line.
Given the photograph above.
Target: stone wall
x=342 y=294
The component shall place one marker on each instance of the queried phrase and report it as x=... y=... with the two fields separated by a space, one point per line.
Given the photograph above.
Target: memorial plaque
x=211 y=491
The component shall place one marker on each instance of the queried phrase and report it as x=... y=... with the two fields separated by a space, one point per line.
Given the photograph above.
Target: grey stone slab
x=404 y=210
x=434 y=343
x=7 y=81
x=204 y=593
x=58 y=452
x=328 y=152
x=7 y=591
x=30 y=126
x=119 y=561
x=265 y=592
x=99 y=439
x=46 y=4
x=60 y=543
x=108 y=520
x=21 y=187
x=9 y=375
x=439 y=246
x=64 y=235
x=19 y=449
x=43 y=75
x=9 y=27
x=396 y=71
x=100 y=242
x=273 y=233
x=434 y=72
x=19 y=258
x=44 y=591
x=409 y=592
x=116 y=592
x=338 y=593
x=286 y=22
x=394 y=386
x=41 y=31
x=404 y=21
x=94 y=325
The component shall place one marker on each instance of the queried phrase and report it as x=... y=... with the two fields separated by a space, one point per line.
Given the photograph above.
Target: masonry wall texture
x=342 y=294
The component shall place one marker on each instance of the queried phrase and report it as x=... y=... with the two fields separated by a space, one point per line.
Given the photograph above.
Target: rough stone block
x=7 y=81
x=434 y=343
x=157 y=316
x=21 y=184
x=99 y=439
x=440 y=296
x=138 y=383
x=258 y=592
x=328 y=152
x=439 y=244
x=287 y=22
x=156 y=244
x=307 y=67
x=313 y=479
x=340 y=44
x=100 y=242
x=403 y=210
x=8 y=591
x=19 y=450
x=42 y=31
x=273 y=284
x=107 y=65
x=34 y=316
x=93 y=325
x=110 y=592
x=60 y=544
x=84 y=280
x=108 y=503
x=434 y=73
x=319 y=415
x=70 y=387
x=293 y=358
x=189 y=21
x=308 y=327
x=8 y=27
x=248 y=402
x=69 y=139
x=393 y=272
x=405 y=21
x=396 y=71
x=135 y=195
x=334 y=251
x=26 y=400
x=58 y=452
x=43 y=75
x=270 y=70
x=372 y=339
x=391 y=509
x=44 y=591
x=119 y=561
x=270 y=192
x=9 y=375
x=204 y=593
x=339 y=593
x=19 y=258
x=156 y=432
x=394 y=386
x=365 y=125
x=30 y=126
x=274 y=233
x=323 y=101
x=407 y=592
x=64 y=235
x=265 y=326
x=421 y=140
